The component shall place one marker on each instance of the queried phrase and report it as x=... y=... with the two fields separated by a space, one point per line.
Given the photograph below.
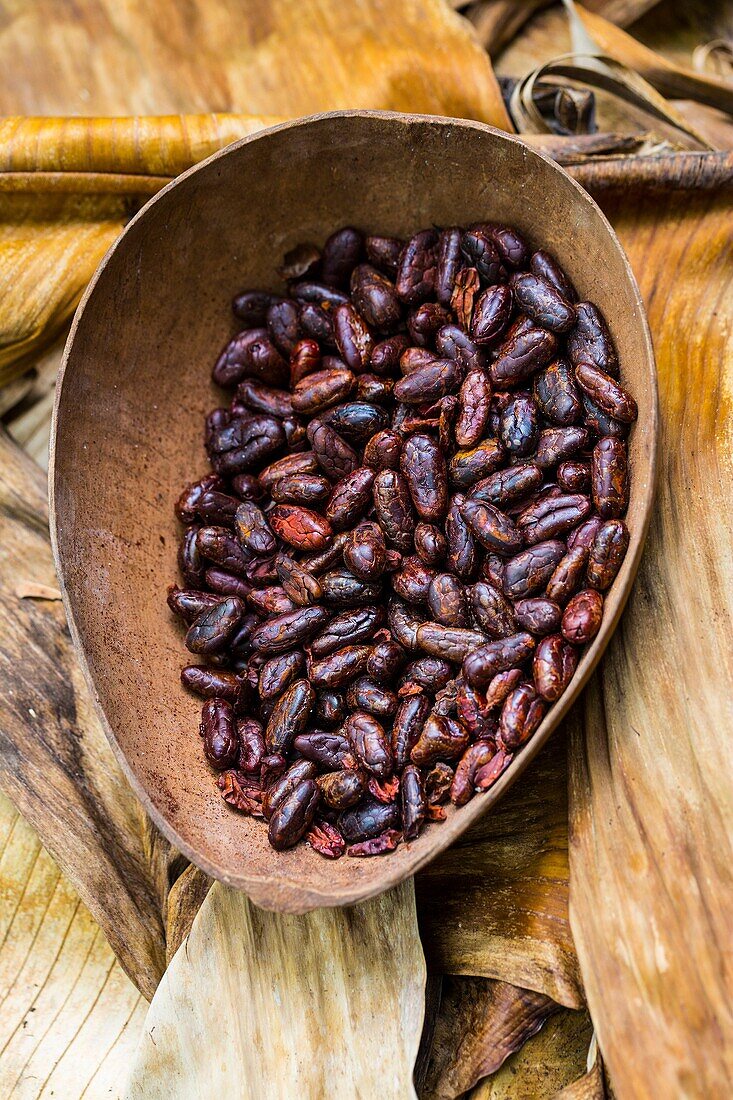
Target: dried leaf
x=716 y=56
x=31 y=590
x=184 y=901
x=424 y=59
x=661 y=172
x=671 y=80
x=652 y=783
x=495 y=904
x=70 y=1017
x=327 y=1004
x=15 y=392
x=597 y=71
x=497 y=22
x=554 y=1060
x=57 y=766
x=591 y=1085
x=480 y=1024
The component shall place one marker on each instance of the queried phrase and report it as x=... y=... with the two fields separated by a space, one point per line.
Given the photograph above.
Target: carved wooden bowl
x=135 y=385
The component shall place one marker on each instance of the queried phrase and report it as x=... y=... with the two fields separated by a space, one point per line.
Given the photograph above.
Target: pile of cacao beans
x=414 y=511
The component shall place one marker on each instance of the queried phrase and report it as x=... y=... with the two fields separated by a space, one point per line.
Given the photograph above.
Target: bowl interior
x=136 y=385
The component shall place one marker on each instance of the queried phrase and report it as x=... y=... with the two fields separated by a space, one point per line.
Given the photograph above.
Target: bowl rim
x=268 y=889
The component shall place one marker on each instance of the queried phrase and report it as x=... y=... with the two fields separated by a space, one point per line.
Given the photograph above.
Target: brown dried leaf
x=184 y=901
x=674 y=81
x=548 y=1065
x=424 y=59
x=57 y=766
x=497 y=22
x=651 y=777
x=597 y=71
x=496 y=903
x=479 y=1025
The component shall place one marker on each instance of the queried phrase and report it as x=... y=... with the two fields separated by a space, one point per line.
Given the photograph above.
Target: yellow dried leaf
x=652 y=775
x=415 y=55
x=70 y=1017
x=326 y=1004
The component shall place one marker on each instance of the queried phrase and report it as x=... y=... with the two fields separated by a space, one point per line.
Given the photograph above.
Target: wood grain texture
x=55 y=762
x=69 y=1016
x=327 y=1004
x=652 y=766
x=496 y=903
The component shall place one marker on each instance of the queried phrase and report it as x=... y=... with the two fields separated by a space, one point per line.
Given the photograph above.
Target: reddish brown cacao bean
x=521 y=714
x=610 y=477
x=369 y=743
x=607 y=553
x=542 y=302
x=581 y=619
x=294 y=816
x=393 y=508
x=341 y=789
x=423 y=466
x=462 y=787
x=219 y=731
x=482 y=664
x=590 y=340
x=554 y=665
x=417 y=268
x=440 y=739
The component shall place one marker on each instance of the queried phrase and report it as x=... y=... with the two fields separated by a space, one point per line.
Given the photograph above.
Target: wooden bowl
x=135 y=385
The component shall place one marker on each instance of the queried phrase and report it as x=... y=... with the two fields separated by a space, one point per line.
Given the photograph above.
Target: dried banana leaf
x=479 y=1025
x=327 y=1004
x=664 y=28
x=596 y=71
x=415 y=55
x=49 y=248
x=158 y=146
x=184 y=901
x=497 y=22
x=651 y=766
x=56 y=764
x=714 y=57
x=671 y=80
x=265 y=57
x=70 y=1017
x=550 y=1066
x=495 y=904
